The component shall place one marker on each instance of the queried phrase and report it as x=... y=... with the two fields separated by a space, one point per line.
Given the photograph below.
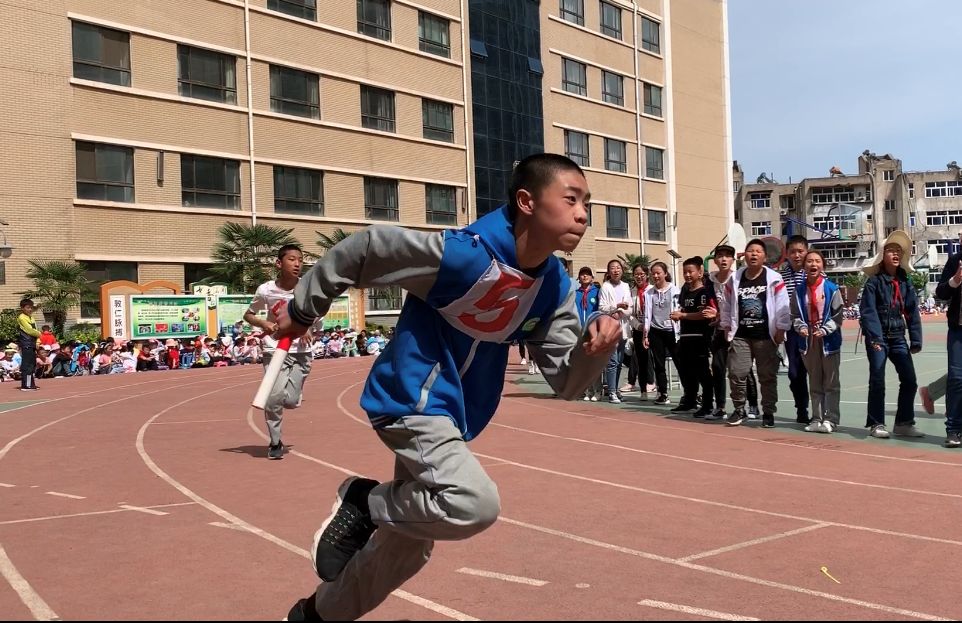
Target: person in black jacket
x=889 y=307
x=948 y=290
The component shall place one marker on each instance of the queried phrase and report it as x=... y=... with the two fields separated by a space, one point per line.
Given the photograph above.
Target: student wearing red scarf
x=817 y=319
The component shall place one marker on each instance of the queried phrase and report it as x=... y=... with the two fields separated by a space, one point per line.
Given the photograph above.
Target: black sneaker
x=662 y=399
x=303 y=610
x=275 y=452
x=346 y=530
x=682 y=408
x=953 y=440
x=768 y=420
x=736 y=418
x=803 y=419
x=703 y=412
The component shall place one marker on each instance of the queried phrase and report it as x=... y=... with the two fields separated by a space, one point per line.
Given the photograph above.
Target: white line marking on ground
x=263 y=435
x=229 y=419
x=680 y=429
x=229 y=526
x=37 y=606
x=582 y=585
x=142 y=509
x=87 y=514
x=753 y=542
x=691 y=610
x=689 y=565
x=65 y=495
x=7 y=485
x=516 y=579
x=237 y=521
x=731 y=466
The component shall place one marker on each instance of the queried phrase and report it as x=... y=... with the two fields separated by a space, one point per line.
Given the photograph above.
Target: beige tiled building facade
x=132 y=130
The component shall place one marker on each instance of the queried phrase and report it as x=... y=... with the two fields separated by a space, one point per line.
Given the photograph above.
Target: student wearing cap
x=889 y=307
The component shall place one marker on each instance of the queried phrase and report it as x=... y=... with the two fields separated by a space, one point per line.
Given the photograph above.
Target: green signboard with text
x=167 y=316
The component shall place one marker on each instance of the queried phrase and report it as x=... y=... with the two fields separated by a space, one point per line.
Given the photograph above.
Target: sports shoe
x=827 y=427
x=346 y=530
x=303 y=610
x=594 y=399
x=643 y=396
x=275 y=452
x=682 y=408
x=768 y=420
x=803 y=419
x=878 y=431
x=907 y=430
x=703 y=412
x=524 y=361
x=662 y=399
x=736 y=418
x=813 y=427
x=717 y=414
x=953 y=440
x=614 y=399
x=927 y=403
x=752 y=413
x=627 y=387
x=531 y=368
x=586 y=398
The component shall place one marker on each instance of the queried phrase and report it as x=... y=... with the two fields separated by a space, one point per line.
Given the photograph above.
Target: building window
x=298 y=191
x=656 y=223
x=374 y=18
x=653 y=101
x=650 y=35
x=105 y=172
x=434 y=34
x=612 y=88
x=762 y=228
x=832 y=222
x=869 y=216
x=377 y=109
x=206 y=75
x=943 y=189
x=945 y=246
x=380 y=199
x=787 y=202
x=888 y=175
x=760 y=201
x=306 y=9
x=736 y=186
x=889 y=205
x=616 y=155
x=654 y=163
x=209 y=182
x=294 y=92
x=438 y=120
x=101 y=54
x=617 y=222
x=911 y=191
x=575 y=77
x=576 y=147
x=573 y=11
x=588 y=211
x=822 y=194
x=441 y=204
x=911 y=220
x=942 y=218
x=610 y=20
x=383 y=299
x=99 y=273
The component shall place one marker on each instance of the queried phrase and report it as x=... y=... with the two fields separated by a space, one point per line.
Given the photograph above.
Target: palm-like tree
x=630 y=260
x=244 y=255
x=327 y=242
x=57 y=287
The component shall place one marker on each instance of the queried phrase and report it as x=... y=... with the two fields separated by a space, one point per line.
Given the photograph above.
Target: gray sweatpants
x=439 y=492
x=286 y=391
x=740 y=357
x=824 y=387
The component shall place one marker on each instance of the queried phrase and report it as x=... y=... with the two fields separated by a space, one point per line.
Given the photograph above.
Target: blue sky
x=816 y=82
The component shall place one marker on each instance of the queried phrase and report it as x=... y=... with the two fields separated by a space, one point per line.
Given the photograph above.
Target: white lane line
x=691 y=610
x=745 y=468
x=230 y=419
x=451 y=613
x=7 y=485
x=37 y=606
x=722 y=573
x=87 y=514
x=517 y=579
x=65 y=495
x=753 y=542
x=307 y=457
x=687 y=565
x=142 y=509
x=229 y=526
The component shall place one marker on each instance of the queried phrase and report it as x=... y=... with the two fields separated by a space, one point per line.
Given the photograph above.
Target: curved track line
x=237 y=522
x=689 y=565
x=34 y=602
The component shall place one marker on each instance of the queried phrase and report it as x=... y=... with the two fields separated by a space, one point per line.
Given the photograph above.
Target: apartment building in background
x=133 y=131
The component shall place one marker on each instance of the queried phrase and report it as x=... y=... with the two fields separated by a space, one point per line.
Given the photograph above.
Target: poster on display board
x=339 y=314
x=231 y=309
x=167 y=316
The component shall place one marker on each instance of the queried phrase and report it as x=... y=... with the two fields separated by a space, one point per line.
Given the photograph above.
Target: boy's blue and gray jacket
x=468 y=300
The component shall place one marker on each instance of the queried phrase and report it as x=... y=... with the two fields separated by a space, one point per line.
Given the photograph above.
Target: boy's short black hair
x=586 y=270
x=534 y=173
x=25 y=302
x=797 y=239
x=757 y=241
x=288 y=247
x=694 y=261
x=45 y=327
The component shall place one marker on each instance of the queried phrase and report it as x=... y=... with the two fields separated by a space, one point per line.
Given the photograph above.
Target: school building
x=133 y=130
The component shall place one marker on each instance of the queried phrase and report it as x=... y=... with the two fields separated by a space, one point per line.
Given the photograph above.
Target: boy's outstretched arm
x=379 y=255
x=571 y=358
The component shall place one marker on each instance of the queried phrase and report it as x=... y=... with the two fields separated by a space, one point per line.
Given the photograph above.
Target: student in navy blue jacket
x=890 y=307
x=949 y=290
x=472 y=291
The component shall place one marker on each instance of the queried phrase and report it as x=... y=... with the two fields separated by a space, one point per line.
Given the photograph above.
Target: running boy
x=27 y=335
x=697 y=308
x=472 y=292
x=290 y=382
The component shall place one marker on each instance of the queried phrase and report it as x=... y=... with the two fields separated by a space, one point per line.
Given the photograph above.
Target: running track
x=148 y=497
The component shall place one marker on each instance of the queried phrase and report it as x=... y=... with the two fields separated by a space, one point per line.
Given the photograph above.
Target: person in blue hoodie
x=472 y=292
x=586 y=300
x=888 y=308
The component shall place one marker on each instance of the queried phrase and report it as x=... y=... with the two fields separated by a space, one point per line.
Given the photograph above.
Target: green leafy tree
x=920 y=280
x=630 y=260
x=244 y=255
x=327 y=242
x=8 y=326
x=58 y=286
